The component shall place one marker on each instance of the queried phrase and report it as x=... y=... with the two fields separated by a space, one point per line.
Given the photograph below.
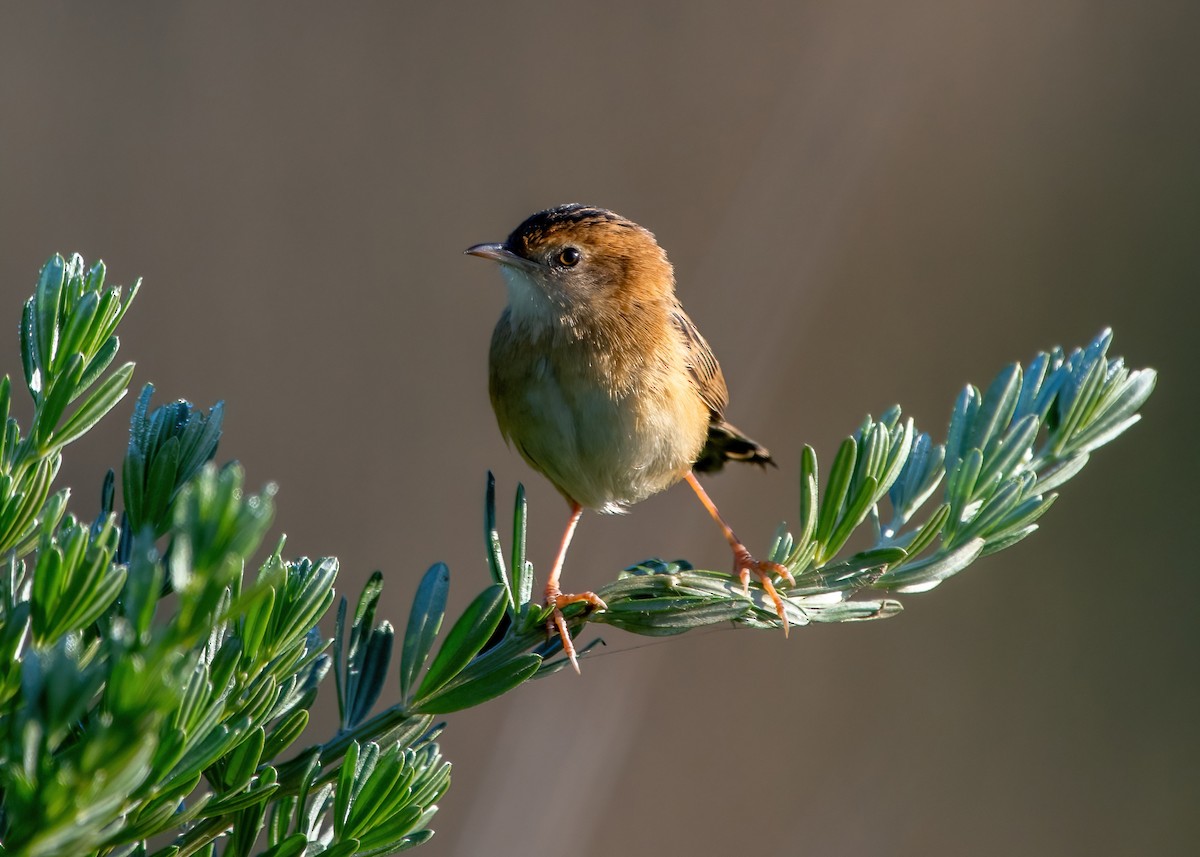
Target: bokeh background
x=865 y=203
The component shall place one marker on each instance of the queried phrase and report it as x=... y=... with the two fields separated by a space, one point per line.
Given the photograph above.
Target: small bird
x=602 y=382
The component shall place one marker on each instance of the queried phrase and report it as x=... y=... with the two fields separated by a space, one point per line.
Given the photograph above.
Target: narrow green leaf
x=891 y=417
x=1084 y=398
x=90 y=598
x=920 y=475
x=21 y=516
x=466 y=638
x=60 y=392
x=1095 y=440
x=284 y=733
x=996 y=507
x=522 y=569
x=293 y=846
x=1011 y=538
x=656 y=605
x=107 y=307
x=133 y=482
x=201 y=755
x=997 y=407
x=160 y=485
x=370 y=757
x=412 y=840
x=310 y=592
x=961 y=419
x=435 y=779
x=238 y=801
x=225 y=662
x=381 y=838
x=929 y=531
x=343 y=797
x=702 y=614
x=835 y=489
x=373 y=669
x=262 y=699
x=872 y=455
x=868 y=559
x=1012 y=449
x=1045 y=405
x=960 y=487
x=280 y=815
x=153 y=817
x=30 y=358
x=256 y=623
x=856 y=611
x=808 y=497
x=1019 y=518
x=73 y=337
x=494 y=548
x=47 y=301
x=340 y=668
x=498 y=680
x=1060 y=473
x=856 y=512
x=1117 y=414
x=1031 y=384
x=923 y=575
x=386 y=792
x=424 y=622
x=368 y=656
x=781 y=544
x=1112 y=374
x=800 y=559
x=139 y=423
x=143 y=585
x=243 y=761
x=128 y=302
x=641 y=585
x=96 y=406
x=311 y=806
x=49 y=580
x=900 y=448
x=201 y=438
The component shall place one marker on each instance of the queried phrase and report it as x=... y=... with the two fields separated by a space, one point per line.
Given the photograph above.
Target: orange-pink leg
x=556 y=598
x=743 y=563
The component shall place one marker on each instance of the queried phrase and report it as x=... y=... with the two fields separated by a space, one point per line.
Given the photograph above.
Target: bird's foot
x=557 y=624
x=744 y=565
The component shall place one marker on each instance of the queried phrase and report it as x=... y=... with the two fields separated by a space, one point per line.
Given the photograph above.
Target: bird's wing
x=702 y=365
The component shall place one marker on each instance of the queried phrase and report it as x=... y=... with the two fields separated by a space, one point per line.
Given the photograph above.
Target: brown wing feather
x=703 y=365
x=725 y=442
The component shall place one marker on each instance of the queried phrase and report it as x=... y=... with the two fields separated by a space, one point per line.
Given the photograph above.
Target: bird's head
x=575 y=258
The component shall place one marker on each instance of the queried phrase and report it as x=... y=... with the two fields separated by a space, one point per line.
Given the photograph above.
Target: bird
x=604 y=385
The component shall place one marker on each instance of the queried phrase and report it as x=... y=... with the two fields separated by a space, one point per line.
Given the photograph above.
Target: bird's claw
x=744 y=565
x=558 y=624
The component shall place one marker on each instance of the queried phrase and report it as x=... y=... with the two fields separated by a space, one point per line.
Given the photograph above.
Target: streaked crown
x=593 y=249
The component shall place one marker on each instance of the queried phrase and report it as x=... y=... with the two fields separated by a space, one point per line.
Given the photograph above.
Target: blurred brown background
x=865 y=203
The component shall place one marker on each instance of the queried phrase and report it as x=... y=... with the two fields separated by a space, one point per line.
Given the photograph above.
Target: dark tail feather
x=727 y=443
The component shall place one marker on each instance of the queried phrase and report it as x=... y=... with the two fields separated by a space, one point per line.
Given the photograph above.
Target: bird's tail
x=727 y=443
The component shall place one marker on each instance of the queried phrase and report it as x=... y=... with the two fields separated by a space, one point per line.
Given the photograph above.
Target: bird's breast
x=607 y=435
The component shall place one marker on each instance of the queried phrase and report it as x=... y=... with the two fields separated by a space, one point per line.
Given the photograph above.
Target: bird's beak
x=499 y=253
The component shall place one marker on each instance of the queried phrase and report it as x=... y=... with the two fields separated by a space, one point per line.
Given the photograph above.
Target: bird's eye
x=569 y=257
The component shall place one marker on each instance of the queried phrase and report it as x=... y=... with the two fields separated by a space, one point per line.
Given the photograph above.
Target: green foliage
x=156 y=683
x=1006 y=450
x=68 y=341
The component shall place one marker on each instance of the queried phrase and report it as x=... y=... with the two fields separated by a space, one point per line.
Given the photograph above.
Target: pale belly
x=602 y=450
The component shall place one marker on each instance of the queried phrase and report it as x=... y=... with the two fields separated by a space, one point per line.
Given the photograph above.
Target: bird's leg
x=743 y=563
x=557 y=599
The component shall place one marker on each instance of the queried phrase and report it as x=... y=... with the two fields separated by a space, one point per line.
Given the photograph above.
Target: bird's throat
x=529 y=305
